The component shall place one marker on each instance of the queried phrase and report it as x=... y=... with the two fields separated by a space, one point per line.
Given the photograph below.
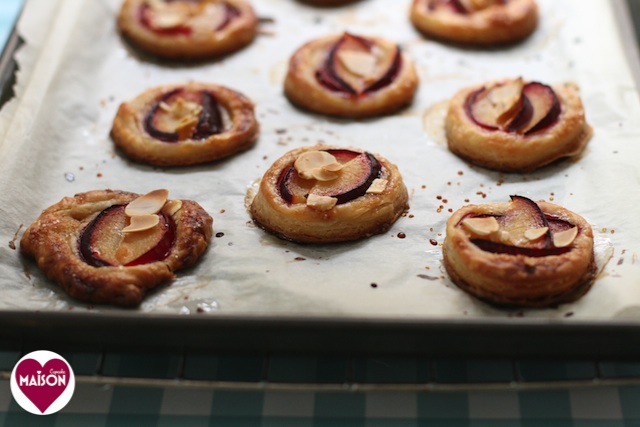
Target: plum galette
x=475 y=22
x=188 y=29
x=324 y=194
x=185 y=124
x=516 y=126
x=111 y=247
x=351 y=76
x=520 y=253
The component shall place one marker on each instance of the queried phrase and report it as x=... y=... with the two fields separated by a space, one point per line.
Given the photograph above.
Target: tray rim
x=350 y=335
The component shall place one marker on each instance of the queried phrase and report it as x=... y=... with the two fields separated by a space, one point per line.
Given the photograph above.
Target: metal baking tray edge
x=508 y=337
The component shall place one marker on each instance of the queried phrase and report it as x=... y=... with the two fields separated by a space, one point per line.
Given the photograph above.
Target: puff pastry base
x=53 y=241
x=519 y=280
x=194 y=39
x=497 y=24
x=304 y=90
x=513 y=152
x=129 y=134
x=361 y=217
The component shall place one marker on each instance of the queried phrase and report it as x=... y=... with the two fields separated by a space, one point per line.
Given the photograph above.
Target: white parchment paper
x=75 y=70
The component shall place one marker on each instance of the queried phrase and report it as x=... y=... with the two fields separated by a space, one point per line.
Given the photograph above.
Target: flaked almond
x=359 y=63
x=535 y=233
x=183 y=108
x=321 y=203
x=377 y=186
x=474 y=5
x=165 y=18
x=565 y=238
x=481 y=226
x=172 y=206
x=165 y=107
x=318 y=165
x=211 y=15
x=185 y=127
x=141 y=223
x=321 y=174
x=150 y=203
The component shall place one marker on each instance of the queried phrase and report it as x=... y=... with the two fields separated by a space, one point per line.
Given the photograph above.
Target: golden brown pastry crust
x=201 y=43
x=362 y=217
x=303 y=89
x=129 y=134
x=519 y=280
x=497 y=24
x=53 y=241
x=513 y=152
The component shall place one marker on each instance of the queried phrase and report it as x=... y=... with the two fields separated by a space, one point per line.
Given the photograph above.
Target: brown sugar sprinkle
x=423 y=186
x=412 y=216
x=219 y=234
x=466 y=200
x=431 y=229
x=434 y=242
x=450 y=210
x=299 y=258
x=604 y=229
x=439 y=209
x=222 y=211
x=613 y=231
x=374 y=285
x=439 y=197
x=99 y=174
x=401 y=235
x=460 y=173
x=500 y=182
x=445 y=201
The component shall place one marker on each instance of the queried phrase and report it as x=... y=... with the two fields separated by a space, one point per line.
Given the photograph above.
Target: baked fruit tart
x=515 y=125
x=475 y=22
x=188 y=29
x=324 y=194
x=111 y=247
x=187 y=124
x=351 y=76
x=520 y=253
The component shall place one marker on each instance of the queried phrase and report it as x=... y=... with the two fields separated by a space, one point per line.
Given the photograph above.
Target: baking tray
x=510 y=335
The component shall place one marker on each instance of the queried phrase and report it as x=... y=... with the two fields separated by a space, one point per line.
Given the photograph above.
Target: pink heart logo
x=42 y=384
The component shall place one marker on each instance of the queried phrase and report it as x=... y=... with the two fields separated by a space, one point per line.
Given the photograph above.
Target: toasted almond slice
x=150 y=203
x=183 y=108
x=324 y=175
x=210 y=15
x=377 y=186
x=321 y=203
x=157 y=4
x=357 y=62
x=475 y=5
x=185 y=127
x=333 y=167
x=164 y=18
x=565 y=238
x=172 y=206
x=482 y=226
x=165 y=107
x=141 y=223
x=310 y=160
x=535 y=233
